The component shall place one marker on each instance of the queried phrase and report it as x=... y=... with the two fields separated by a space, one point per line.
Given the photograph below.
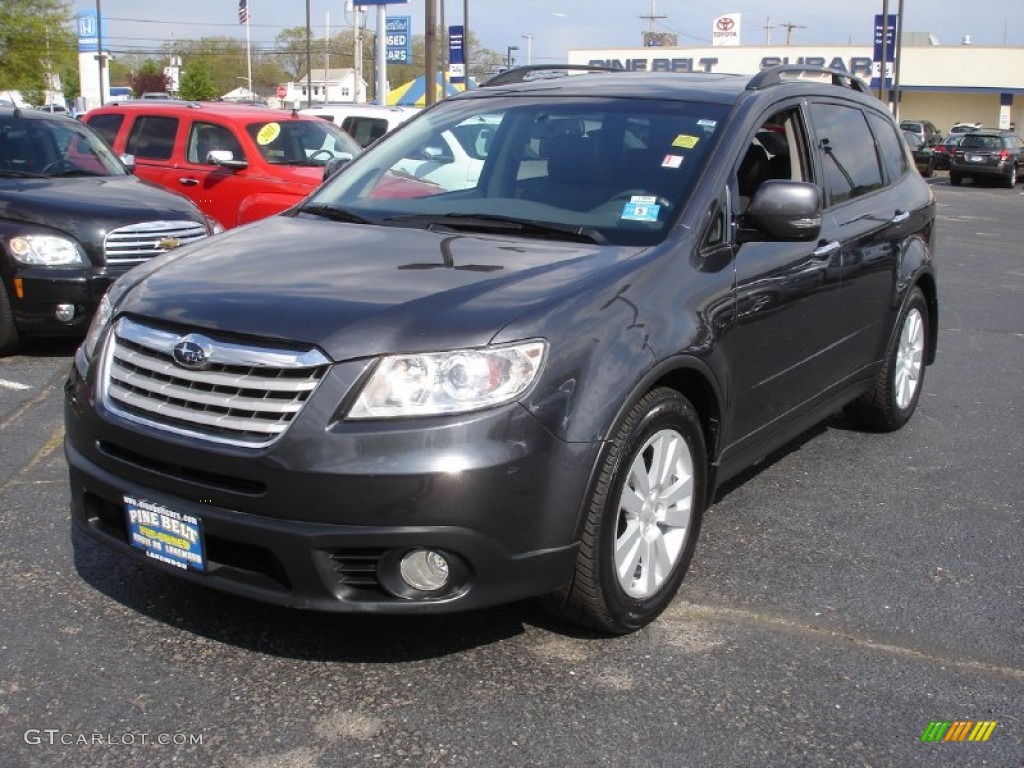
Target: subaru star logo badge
x=193 y=352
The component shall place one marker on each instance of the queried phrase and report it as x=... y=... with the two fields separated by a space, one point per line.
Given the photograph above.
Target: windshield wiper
x=335 y=214
x=486 y=222
x=21 y=175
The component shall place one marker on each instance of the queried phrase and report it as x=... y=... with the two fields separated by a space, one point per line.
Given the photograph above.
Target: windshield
x=301 y=142
x=619 y=169
x=54 y=147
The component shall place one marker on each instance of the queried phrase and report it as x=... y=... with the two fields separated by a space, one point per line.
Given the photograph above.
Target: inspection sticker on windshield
x=165 y=535
x=685 y=140
x=672 y=161
x=268 y=133
x=641 y=208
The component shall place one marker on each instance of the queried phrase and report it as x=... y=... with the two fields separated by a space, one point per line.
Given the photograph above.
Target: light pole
x=529 y=49
x=508 y=57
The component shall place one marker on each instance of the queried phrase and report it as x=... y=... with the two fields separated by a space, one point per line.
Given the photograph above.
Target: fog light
x=425 y=570
x=65 y=312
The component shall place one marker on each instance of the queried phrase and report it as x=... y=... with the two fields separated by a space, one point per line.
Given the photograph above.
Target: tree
x=150 y=77
x=196 y=83
x=35 y=38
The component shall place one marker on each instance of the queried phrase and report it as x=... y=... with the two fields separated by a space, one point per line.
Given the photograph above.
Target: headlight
x=46 y=250
x=84 y=354
x=449 y=382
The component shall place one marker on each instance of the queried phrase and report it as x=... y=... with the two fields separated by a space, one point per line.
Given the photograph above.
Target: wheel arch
x=694 y=380
x=926 y=282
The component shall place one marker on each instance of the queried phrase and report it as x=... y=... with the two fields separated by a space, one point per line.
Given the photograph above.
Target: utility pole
x=430 y=44
x=767 y=30
x=99 y=45
x=529 y=49
x=790 y=26
x=652 y=16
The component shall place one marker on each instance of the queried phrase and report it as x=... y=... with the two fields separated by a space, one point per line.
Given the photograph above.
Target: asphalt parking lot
x=846 y=593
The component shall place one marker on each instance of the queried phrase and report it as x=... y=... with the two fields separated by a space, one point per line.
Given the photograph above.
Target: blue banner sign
x=398 y=33
x=88 y=31
x=456 y=59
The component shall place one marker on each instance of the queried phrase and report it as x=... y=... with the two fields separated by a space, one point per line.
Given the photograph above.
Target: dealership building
x=945 y=84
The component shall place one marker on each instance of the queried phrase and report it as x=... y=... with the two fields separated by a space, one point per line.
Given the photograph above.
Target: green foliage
x=196 y=83
x=35 y=37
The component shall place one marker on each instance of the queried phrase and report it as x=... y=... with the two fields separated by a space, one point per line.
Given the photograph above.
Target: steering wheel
x=330 y=155
x=59 y=166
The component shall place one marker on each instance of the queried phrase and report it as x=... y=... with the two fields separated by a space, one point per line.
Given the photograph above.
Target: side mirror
x=782 y=210
x=225 y=158
x=129 y=162
x=334 y=165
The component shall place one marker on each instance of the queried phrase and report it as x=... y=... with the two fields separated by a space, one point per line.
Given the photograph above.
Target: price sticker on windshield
x=268 y=133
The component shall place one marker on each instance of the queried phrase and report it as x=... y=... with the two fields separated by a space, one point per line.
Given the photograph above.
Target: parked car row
x=968 y=152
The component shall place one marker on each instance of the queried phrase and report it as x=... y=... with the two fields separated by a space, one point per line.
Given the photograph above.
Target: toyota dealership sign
x=725 y=30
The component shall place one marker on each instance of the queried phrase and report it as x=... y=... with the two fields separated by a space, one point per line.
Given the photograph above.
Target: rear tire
x=10 y=339
x=643 y=518
x=1011 y=178
x=893 y=398
x=955 y=179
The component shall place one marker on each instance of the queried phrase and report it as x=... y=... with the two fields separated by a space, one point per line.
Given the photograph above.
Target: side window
x=847 y=151
x=152 y=138
x=204 y=138
x=365 y=130
x=775 y=151
x=894 y=156
x=106 y=126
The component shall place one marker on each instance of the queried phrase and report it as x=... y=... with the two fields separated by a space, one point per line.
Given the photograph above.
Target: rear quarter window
x=106 y=126
x=152 y=137
x=890 y=148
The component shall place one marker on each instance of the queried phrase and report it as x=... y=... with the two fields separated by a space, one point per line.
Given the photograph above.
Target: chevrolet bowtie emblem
x=168 y=244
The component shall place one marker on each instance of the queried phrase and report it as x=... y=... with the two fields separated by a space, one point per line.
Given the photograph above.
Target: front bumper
x=46 y=288
x=321 y=518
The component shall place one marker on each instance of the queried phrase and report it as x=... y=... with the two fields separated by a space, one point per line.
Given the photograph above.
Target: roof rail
x=541 y=72
x=773 y=76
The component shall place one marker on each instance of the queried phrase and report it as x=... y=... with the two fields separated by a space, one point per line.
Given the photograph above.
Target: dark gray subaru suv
x=513 y=348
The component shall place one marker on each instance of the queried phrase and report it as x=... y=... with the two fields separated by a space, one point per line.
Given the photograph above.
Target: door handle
x=826 y=250
x=900 y=217
x=188 y=182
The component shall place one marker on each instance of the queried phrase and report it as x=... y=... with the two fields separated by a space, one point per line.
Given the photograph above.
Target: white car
x=363 y=122
x=453 y=158
x=965 y=127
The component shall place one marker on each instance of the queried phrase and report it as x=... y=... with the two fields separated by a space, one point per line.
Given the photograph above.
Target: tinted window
x=894 y=157
x=847 y=152
x=152 y=137
x=365 y=130
x=301 y=142
x=106 y=126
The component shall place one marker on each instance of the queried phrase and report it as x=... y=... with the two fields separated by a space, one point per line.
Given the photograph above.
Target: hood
x=86 y=208
x=357 y=291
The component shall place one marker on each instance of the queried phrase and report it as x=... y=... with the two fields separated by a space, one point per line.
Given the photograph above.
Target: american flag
x=243 y=11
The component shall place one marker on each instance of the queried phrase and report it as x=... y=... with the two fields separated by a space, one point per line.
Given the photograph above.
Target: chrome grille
x=137 y=243
x=248 y=395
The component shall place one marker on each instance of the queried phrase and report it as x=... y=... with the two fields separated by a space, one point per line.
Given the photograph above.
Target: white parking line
x=6 y=384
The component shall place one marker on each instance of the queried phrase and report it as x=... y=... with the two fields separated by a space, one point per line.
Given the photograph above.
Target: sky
x=545 y=31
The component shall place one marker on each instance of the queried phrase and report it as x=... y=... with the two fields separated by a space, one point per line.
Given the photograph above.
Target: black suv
x=526 y=377
x=72 y=219
x=987 y=155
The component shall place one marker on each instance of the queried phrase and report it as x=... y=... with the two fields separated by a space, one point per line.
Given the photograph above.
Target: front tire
x=893 y=398
x=642 y=520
